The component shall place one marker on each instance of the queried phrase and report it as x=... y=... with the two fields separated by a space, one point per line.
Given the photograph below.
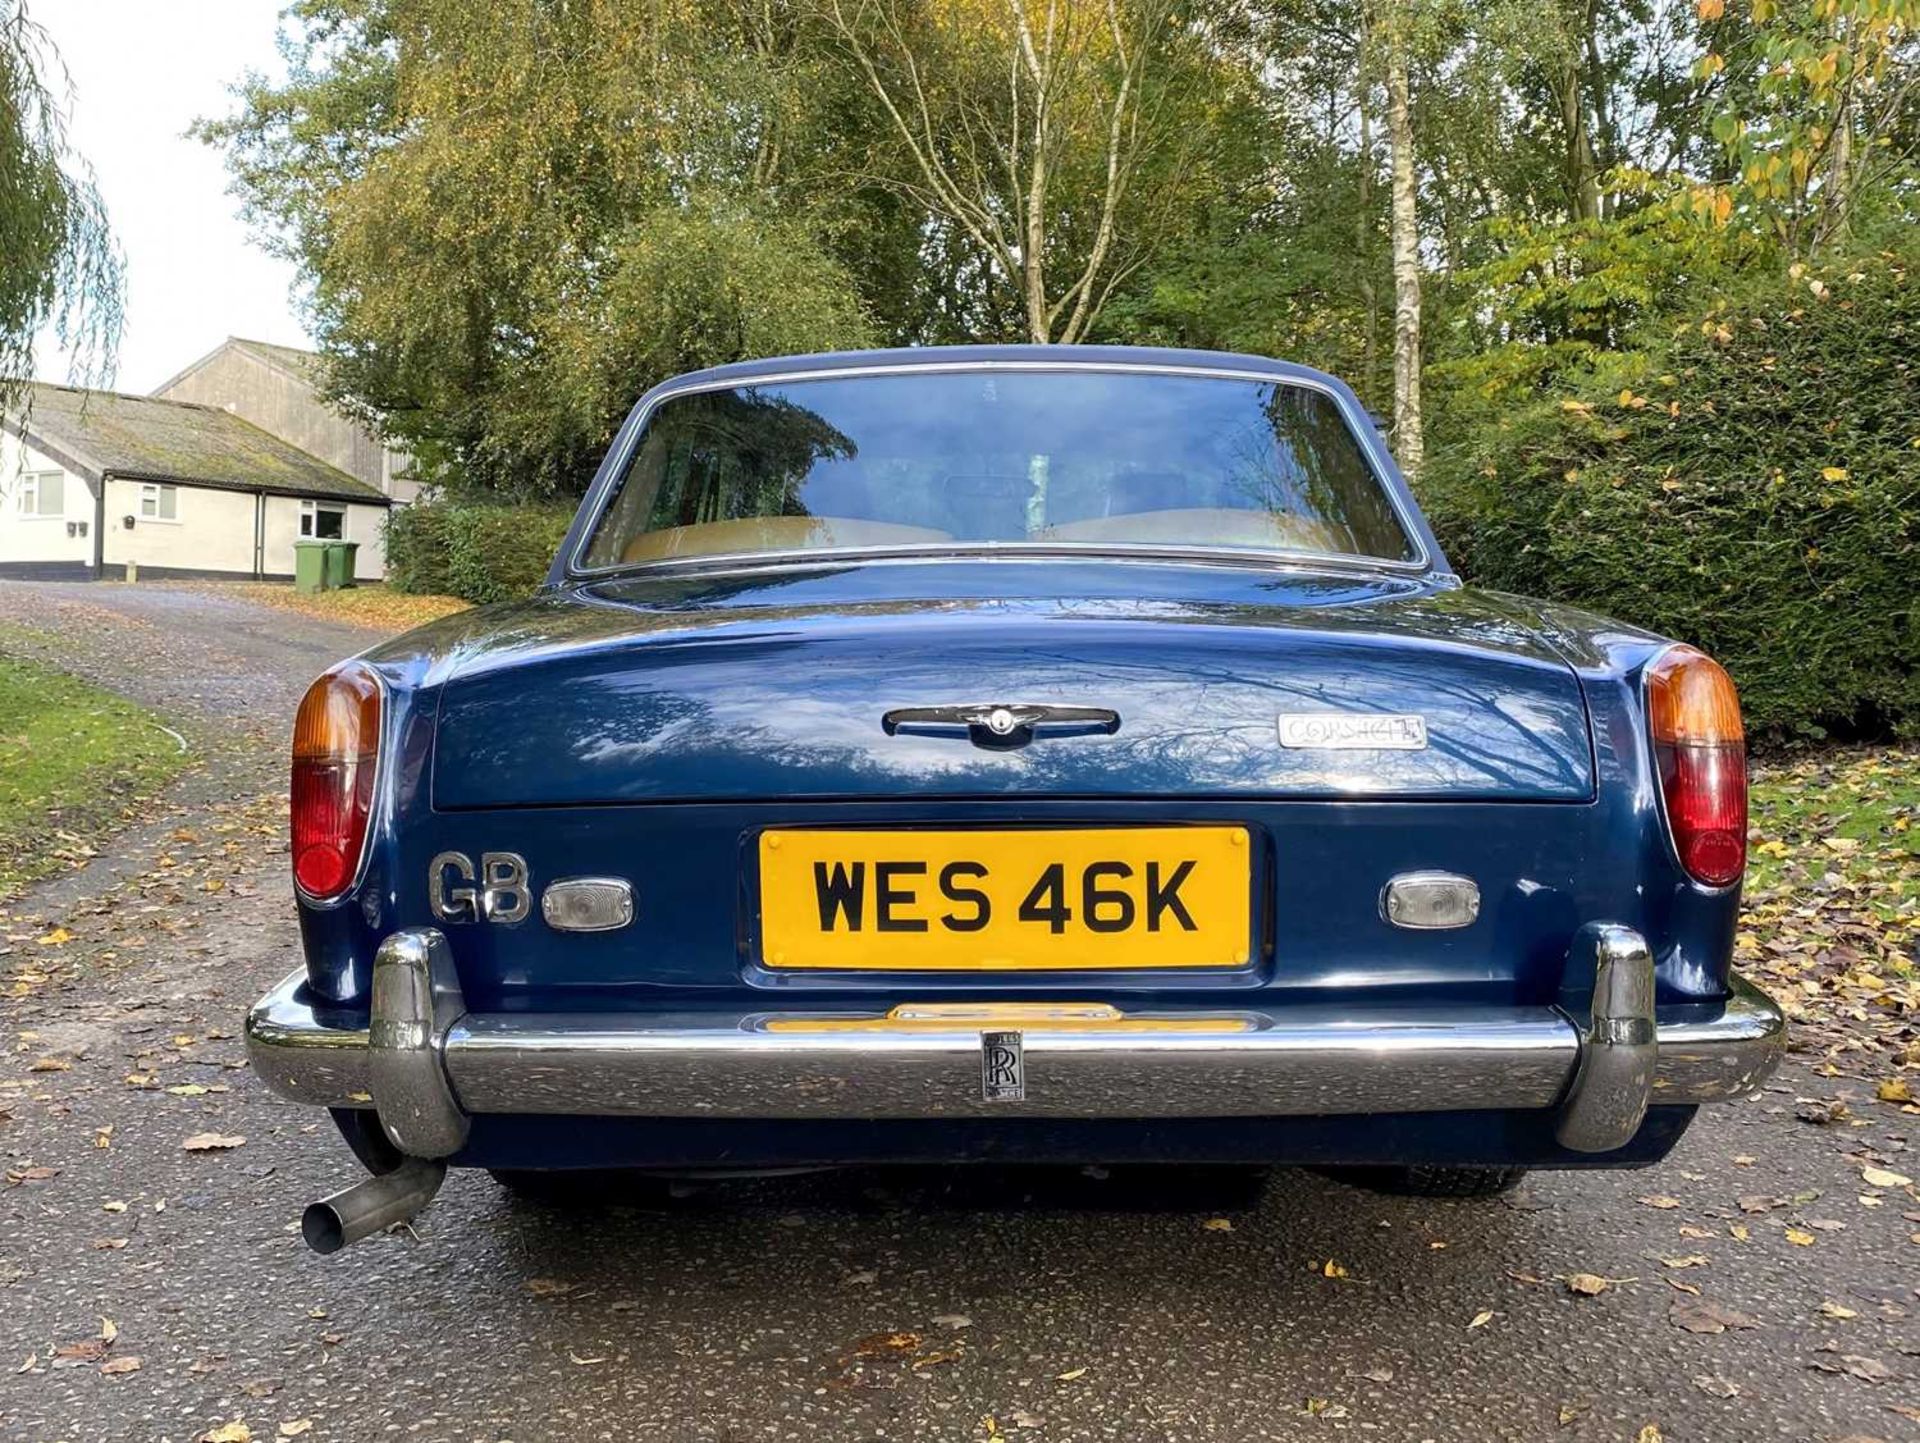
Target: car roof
x=936 y=356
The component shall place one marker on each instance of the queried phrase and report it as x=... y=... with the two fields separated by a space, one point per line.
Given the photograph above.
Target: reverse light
x=336 y=746
x=1700 y=748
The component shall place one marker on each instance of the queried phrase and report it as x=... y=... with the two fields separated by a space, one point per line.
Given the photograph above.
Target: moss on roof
x=180 y=441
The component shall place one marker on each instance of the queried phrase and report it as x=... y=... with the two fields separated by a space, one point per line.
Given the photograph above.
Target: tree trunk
x=1363 y=240
x=1606 y=132
x=1583 y=171
x=1836 y=194
x=1407 y=443
x=1583 y=176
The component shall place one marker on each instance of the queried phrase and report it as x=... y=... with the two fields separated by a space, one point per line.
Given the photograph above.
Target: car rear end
x=1063 y=857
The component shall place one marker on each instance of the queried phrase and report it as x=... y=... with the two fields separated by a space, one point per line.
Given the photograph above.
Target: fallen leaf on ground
x=955 y=1321
x=1822 y=1112
x=1894 y=1089
x=234 y=1432
x=213 y=1141
x=1702 y=1315
x=1837 y=1310
x=116 y=1206
x=1799 y=1237
x=1650 y=1434
x=128 y=1364
x=77 y=1355
x=1586 y=1285
x=51 y=1064
x=1218 y=1225
x=1481 y=1318
x=1070 y=1375
x=1880 y=1177
x=294 y=1427
x=1689 y=1260
x=1331 y=1269
x=548 y=1287
x=1869 y=1370
x=58 y=937
x=1660 y=1200
x=1714 y=1386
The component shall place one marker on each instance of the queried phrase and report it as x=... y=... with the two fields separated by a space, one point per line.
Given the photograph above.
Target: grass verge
x=1832 y=901
x=75 y=762
x=369 y=605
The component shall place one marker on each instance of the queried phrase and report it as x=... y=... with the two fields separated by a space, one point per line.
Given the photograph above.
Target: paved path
x=849 y=1307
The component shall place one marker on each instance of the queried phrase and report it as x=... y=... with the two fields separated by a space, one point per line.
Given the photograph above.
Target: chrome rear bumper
x=1601 y=1058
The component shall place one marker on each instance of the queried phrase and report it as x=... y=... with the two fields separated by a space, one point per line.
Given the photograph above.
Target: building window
x=323 y=523
x=43 y=493
x=160 y=503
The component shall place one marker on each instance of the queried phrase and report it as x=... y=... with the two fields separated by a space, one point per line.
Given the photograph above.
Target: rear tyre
x=1425 y=1180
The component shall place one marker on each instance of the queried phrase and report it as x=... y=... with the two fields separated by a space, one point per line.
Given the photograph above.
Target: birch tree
x=1027 y=125
x=1404 y=225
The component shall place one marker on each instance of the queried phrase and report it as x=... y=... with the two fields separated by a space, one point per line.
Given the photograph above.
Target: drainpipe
x=259 y=536
x=100 y=526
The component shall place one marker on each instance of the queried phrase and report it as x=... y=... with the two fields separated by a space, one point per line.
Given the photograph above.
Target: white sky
x=143 y=71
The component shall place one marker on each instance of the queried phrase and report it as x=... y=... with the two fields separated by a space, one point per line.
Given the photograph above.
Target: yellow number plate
x=1006 y=901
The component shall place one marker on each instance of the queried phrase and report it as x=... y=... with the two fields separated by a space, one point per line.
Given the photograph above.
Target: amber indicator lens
x=336 y=743
x=1700 y=747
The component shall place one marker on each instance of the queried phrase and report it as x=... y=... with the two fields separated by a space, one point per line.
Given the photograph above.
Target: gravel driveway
x=1753 y=1286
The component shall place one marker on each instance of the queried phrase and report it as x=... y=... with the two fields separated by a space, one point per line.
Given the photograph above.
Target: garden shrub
x=417 y=550
x=480 y=553
x=1748 y=482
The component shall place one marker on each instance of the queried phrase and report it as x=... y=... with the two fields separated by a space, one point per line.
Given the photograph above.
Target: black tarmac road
x=1760 y=1284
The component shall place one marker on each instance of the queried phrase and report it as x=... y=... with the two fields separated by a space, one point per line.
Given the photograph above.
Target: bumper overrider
x=1598 y=1058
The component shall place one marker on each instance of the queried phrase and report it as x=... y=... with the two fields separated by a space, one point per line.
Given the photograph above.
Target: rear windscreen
x=930 y=459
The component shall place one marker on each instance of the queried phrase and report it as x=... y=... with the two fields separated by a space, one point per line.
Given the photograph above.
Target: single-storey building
x=278 y=388
x=94 y=481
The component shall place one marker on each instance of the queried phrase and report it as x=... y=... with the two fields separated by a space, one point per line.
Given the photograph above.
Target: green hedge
x=417 y=550
x=478 y=553
x=1750 y=483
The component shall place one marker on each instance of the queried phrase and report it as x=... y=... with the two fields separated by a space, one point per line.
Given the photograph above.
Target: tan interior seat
x=1204 y=526
x=775 y=533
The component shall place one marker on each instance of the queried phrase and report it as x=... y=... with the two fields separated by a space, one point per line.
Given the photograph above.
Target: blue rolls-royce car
x=1011 y=754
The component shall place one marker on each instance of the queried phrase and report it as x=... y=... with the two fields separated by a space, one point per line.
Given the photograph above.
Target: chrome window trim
x=1360 y=427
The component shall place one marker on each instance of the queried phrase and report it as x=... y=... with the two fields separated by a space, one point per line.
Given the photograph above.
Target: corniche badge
x=1353 y=731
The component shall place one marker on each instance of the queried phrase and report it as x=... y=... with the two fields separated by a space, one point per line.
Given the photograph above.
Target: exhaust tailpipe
x=371 y=1204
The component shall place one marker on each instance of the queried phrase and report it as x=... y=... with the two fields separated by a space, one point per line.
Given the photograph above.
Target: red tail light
x=336 y=745
x=1701 y=747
